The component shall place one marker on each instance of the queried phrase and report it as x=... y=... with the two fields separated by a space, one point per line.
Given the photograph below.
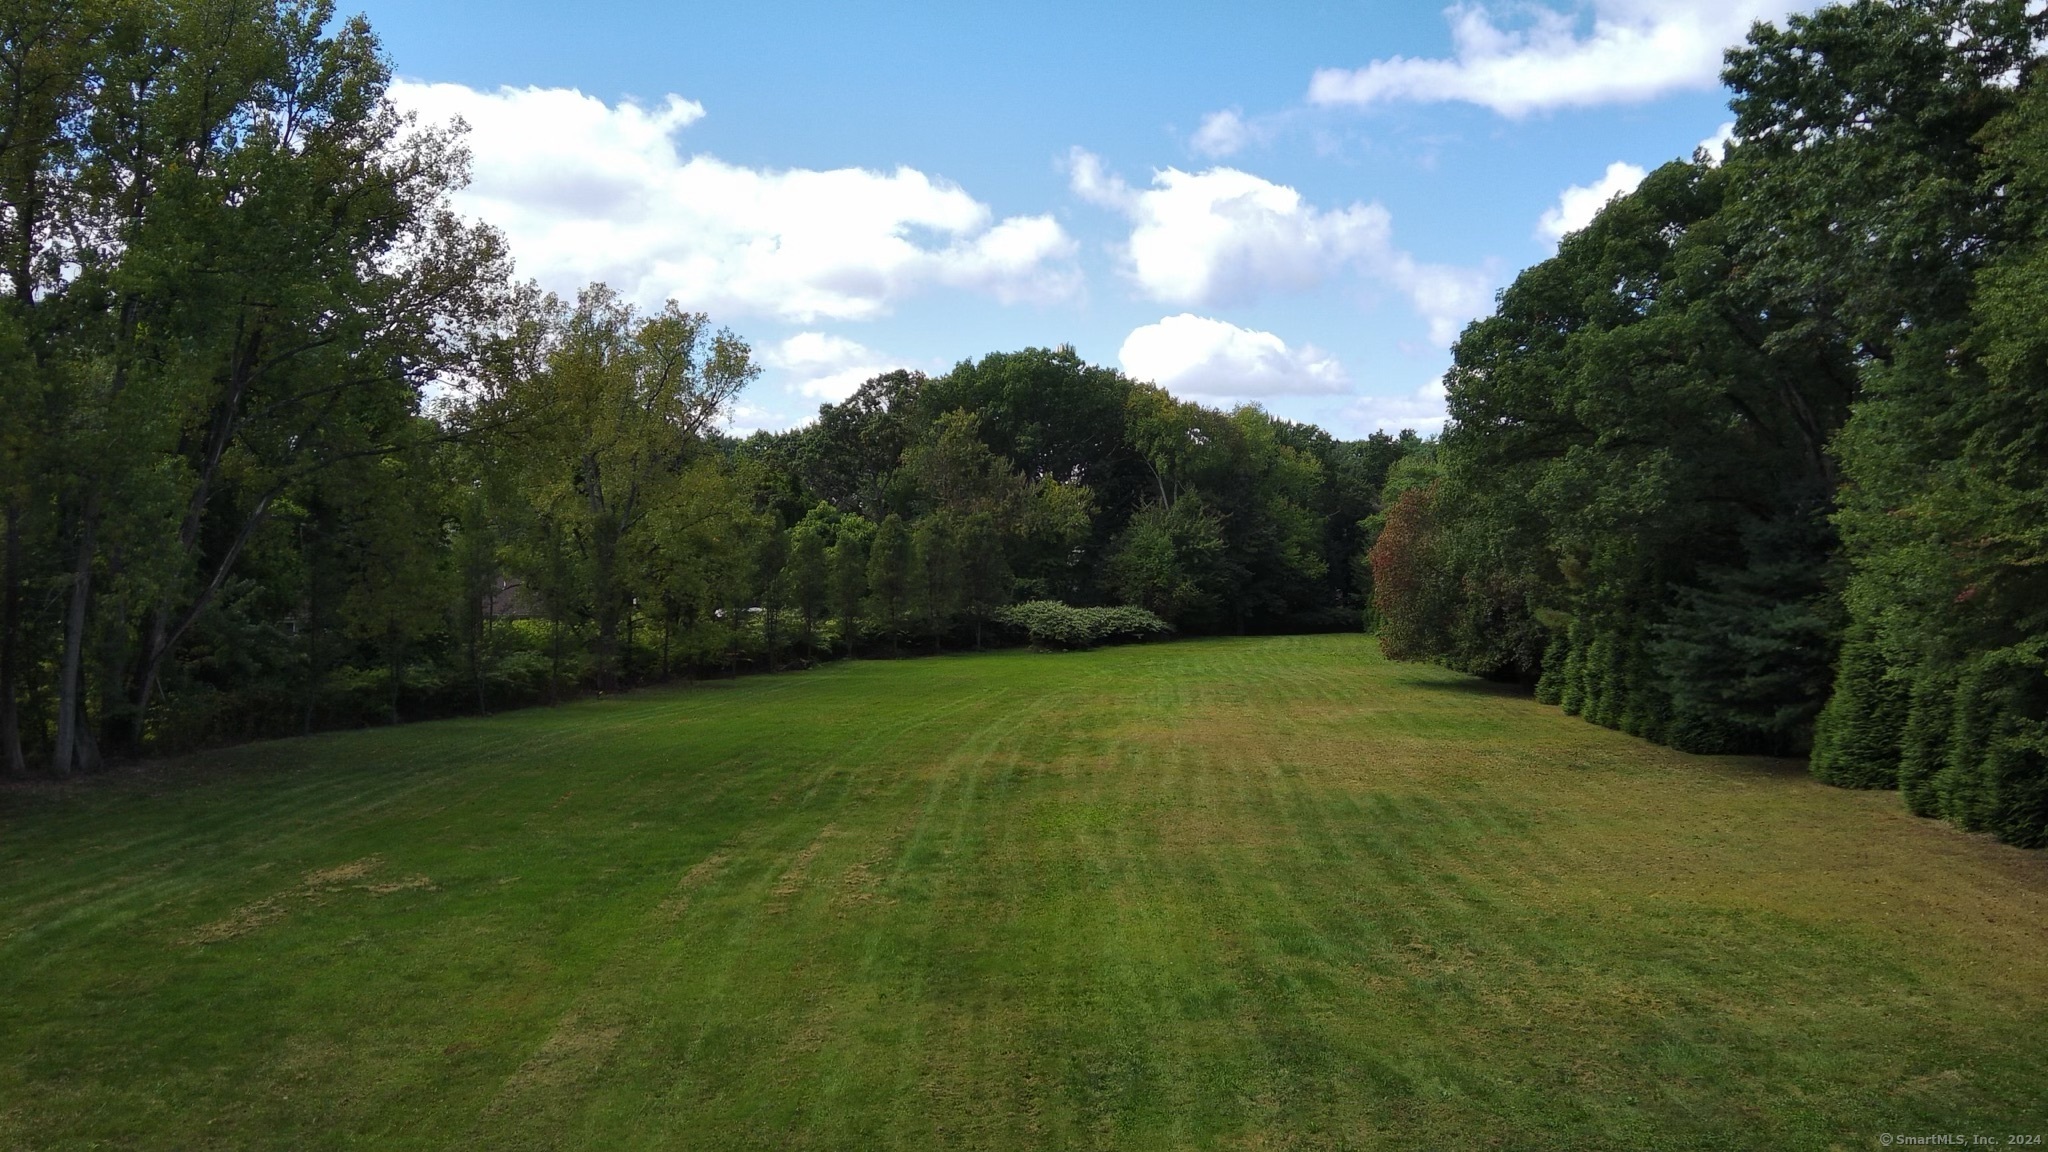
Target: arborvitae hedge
x=1923 y=745
x=1856 y=740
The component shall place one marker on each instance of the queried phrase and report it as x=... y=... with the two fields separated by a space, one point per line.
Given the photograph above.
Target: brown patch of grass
x=698 y=875
x=574 y=1051
x=313 y=889
x=242 y=921
x=341 y=874
x=409 y=884
x=859 y=885
x=797 y=874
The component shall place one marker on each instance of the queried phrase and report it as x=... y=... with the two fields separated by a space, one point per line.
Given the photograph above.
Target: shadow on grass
x=1475 y=686
x=1734 y=763
x=1782 y=767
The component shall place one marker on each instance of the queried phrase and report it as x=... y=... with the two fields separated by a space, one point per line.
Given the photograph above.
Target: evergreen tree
x=986 y=582
x=850 y=579
x=889 y=576
x=935 y=576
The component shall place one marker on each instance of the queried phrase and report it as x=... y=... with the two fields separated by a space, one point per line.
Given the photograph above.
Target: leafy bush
x=1051 y=624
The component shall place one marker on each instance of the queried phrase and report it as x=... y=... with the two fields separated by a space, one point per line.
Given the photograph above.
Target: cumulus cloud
x=1225 y=236
x=586 y=191
x=1634 y=50
x=1222 y=134
x=1578 y=204
x=824 y=367
x=1191 y=355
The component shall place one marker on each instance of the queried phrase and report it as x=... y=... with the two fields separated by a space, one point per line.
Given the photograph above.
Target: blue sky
x=1290 y=204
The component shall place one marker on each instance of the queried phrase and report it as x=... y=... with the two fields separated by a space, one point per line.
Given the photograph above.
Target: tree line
x=1758 y=462
x=285 y=445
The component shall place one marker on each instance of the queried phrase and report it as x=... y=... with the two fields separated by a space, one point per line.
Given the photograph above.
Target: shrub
x=1051 y=624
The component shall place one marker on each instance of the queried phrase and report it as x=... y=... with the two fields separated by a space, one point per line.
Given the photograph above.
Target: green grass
x=1256 y=893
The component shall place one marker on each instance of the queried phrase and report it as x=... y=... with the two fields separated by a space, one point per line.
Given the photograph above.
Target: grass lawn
x=1235 y=894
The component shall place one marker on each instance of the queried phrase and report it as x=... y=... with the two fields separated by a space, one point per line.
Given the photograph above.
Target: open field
x=1245 y=894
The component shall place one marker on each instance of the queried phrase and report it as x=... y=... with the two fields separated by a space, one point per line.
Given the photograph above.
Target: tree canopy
x=1754 y=463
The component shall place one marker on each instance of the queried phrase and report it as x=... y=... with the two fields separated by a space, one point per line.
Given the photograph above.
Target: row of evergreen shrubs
x=1051 y=624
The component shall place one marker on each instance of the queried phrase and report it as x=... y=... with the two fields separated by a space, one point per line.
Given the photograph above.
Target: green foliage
x=1168 y=560
x=1943 y=515
x=1759 y=405
x=850 y=577
x=807 y=579
x=1747 y=649
x=1856 y=741
x=935 y=578
x=889 y=574
x=986 y=580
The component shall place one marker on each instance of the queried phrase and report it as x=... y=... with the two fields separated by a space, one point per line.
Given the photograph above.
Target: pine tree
x=935 y=591
x=888 y=576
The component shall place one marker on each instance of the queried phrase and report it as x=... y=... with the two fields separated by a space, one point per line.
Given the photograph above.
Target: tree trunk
x=478 y=634
x=11 y=760
x=555 y=669
x=162 y=636
x=88 y=743
x=604 y=567
x=70 y=675
x=312 y=644
x=397 y=647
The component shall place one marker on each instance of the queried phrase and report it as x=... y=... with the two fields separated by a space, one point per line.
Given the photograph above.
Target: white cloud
x=1192 y=355
x=1578 y=204
x=824 y=367
x=1634 y=50
x=746 y=419
x=1445 y=296
x=1424 y=411
x=590 y=191
x=1224 y=236
x=1716 y=146
x=1096 y=184
x=1221 y=134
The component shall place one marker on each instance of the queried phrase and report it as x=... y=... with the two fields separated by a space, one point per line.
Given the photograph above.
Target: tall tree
x=935 y=576
x=850 y=578
x=617 y=410
x=1939 y=689
x=889 y=576
x=807 y=577
x=986 y=580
